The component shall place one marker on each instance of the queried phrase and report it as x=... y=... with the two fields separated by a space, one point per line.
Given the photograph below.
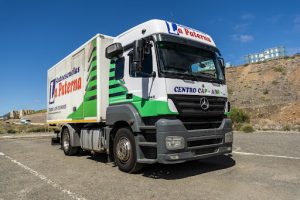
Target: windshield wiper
x=182 y=75
x=193 y=76
x=210 y=77
x=176 y=68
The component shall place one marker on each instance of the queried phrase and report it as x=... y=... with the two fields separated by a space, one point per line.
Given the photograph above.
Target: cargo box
x=77 y=86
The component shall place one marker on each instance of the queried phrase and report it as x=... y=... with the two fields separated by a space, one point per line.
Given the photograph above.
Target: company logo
x=204 y=104
x=176 y=29
x=193 y=90
x=51 y=92
x=185 y=89
x=60 y=86
x=172 y=28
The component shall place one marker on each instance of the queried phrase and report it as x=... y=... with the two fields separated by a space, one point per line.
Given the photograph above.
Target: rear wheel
x=125 y=151
x=69 y=150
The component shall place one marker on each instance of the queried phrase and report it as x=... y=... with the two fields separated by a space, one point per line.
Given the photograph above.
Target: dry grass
x=24 y=128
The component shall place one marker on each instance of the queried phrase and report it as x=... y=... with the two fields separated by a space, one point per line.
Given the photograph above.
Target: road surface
x=263 y=166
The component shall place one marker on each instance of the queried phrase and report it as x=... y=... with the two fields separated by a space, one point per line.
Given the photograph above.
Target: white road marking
x=44 y=178
x=265 y=155
x=26 y=136
x=237 y=148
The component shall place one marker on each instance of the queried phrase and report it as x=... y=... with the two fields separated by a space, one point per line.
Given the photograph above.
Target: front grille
x=194 y=117
x=206 y=151
x=206 y=142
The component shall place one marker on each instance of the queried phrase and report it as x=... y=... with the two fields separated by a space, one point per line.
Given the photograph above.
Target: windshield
x=188 y=61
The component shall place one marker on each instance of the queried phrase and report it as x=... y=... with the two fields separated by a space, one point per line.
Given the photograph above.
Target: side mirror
x=222 y=64
x=114 y=50
x=221 y=61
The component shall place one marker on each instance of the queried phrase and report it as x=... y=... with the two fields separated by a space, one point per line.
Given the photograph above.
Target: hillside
x=269 y=91
x=37 y=117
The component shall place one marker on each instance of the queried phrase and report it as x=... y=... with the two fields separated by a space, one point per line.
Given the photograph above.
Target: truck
x=154 y=94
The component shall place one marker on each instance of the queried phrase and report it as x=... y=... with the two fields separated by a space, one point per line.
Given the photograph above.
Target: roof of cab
x=156 y=26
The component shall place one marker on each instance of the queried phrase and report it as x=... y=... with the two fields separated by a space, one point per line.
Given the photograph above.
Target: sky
x=34 y=34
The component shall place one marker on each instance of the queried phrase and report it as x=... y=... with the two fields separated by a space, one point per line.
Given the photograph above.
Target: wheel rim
x=66 y=142
x=123 y=149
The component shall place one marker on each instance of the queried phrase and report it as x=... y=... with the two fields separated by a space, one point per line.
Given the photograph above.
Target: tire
x=124 y=150
x=66 y=144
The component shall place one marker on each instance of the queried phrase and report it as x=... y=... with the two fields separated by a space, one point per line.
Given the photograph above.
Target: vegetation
x=24 y=128
x=264 y=98
x=241 y=120
x=11 y=130
x=237 y=126
x=286 y=127
x=274 y=82
x=247 y=128
x=2 y=130
x=239 y=116
x=266 y=91
x=39 y=111
x=279 y=69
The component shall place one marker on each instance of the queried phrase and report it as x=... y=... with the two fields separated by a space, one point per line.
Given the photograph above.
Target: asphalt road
x=263 y=166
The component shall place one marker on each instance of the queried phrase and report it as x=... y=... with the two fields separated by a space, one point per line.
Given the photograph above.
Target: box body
x=77 y=86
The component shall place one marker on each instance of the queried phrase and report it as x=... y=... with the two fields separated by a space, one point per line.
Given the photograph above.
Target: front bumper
x=198 y=143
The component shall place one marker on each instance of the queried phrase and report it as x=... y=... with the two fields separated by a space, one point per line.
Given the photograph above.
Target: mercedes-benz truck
x=154 y=94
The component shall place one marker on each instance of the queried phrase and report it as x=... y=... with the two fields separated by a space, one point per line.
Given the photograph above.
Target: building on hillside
x=267 y=54
x=228 y=64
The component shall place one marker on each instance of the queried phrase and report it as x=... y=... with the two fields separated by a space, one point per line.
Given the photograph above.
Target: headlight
x=228 y=137
x=174 y=142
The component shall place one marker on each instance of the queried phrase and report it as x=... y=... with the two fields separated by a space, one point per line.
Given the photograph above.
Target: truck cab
x=173 y=80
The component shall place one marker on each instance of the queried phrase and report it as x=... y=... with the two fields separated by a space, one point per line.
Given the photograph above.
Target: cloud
x=245 y=21
x=241 y=27
x=276 y=19
x=218 y=20
x=247 y=16
x=296 y=23
x=243 y=38
x=297 y=19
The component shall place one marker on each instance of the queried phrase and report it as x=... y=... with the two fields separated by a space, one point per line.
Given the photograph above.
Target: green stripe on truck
x=88 y=108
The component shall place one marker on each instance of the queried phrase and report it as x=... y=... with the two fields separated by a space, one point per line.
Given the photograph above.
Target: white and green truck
x=154 y=94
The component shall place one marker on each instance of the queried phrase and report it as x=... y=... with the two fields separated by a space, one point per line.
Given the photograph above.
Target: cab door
x=145 y=90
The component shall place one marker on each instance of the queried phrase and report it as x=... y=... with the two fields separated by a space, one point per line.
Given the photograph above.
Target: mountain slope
x=269 y=91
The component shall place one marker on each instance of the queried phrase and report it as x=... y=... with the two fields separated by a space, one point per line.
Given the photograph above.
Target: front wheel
x=69 y=150
x=125 y=151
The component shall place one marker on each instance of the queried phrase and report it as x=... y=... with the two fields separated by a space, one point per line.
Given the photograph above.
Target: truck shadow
x=177 y=171
x=173 y=171
x=97 y=157
x=188 y=169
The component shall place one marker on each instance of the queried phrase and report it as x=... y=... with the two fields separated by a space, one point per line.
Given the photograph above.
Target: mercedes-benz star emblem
x=204 y=104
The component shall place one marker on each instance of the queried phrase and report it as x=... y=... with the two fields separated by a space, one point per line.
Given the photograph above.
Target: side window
x=119 y=68
x=147 y=66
